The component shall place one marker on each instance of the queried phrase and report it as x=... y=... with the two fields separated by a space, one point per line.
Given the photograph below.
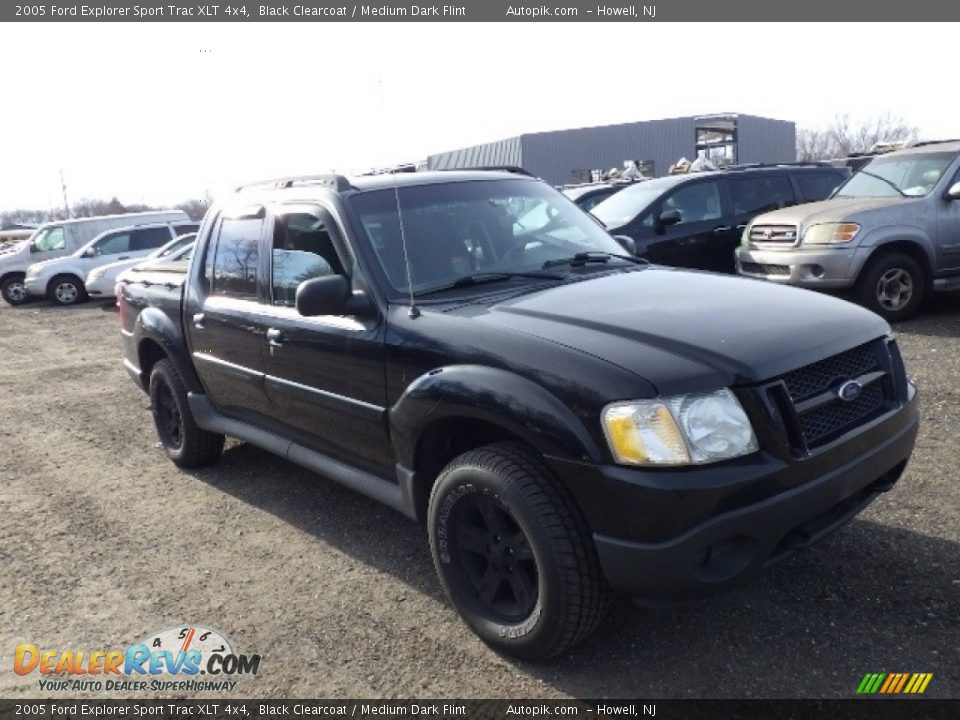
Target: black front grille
x=838 y=416
x=765 y=268
x=811 y=406
x=814 y=379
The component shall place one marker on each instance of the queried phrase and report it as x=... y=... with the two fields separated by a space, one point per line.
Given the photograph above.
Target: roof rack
x=515 y=169
x=921 y=143
x=333 y=180
x=752 y=166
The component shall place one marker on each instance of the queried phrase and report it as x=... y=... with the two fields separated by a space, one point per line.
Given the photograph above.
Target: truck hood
x=835 y=210
x=688 y=331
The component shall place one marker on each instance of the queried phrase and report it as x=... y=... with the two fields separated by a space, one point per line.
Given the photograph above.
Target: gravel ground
x=103 y=540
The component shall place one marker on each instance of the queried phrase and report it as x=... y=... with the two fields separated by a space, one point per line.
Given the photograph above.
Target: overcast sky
x=158 y=113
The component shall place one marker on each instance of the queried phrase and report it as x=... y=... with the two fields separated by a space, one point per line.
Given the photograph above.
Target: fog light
x=816 y=271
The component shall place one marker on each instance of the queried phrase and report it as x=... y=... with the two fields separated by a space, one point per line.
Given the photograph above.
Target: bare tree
x=844 y=136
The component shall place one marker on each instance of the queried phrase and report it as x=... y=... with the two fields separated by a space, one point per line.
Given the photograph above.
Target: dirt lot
x=103 y=540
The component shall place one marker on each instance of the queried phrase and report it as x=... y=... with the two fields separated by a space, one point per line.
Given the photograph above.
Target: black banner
x=622 y=11
x=218 y=709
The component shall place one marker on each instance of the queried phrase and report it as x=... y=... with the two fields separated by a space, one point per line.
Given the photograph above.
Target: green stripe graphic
x=861 y=688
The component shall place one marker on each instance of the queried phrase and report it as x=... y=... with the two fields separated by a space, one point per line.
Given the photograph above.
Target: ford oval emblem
x=849 y=391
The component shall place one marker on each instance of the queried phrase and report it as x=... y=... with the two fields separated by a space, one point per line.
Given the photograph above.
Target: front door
x=225 y=330
x=324 y=375
x=694 y=241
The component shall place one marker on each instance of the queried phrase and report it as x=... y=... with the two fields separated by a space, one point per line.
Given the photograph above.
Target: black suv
x=696 y=220
x=476 y=352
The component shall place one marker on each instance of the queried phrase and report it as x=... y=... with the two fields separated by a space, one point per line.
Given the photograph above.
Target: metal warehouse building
x=568 y=156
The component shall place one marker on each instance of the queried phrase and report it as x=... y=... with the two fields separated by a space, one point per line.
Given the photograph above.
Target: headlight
x=830 y=234
x=683 y=430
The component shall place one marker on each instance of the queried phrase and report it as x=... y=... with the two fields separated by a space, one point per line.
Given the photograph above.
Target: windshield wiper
x=596 y=256
x=883 y=179
x=489 y=277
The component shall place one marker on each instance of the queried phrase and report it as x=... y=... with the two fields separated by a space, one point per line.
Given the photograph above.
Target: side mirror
x=89 y=252
x=627 y=243
x=953 y=192
x=669 y=217
x=327 y=295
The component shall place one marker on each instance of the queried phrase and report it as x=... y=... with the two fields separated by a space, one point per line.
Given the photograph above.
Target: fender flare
x=500 y=397
x=878 y=239
x=154 y=324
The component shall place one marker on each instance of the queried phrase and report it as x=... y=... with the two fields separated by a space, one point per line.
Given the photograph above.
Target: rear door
x=225 y=323
x=324 y=375
x=948 y=230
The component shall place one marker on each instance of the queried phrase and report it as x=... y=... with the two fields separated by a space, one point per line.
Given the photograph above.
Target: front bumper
x=36 y=286
x=835 y=267
x=669 y=536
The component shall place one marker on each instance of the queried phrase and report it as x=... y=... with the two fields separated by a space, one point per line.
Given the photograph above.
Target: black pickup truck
x=476 y=352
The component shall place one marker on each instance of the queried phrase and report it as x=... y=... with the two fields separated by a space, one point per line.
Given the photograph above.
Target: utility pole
x=63 y=185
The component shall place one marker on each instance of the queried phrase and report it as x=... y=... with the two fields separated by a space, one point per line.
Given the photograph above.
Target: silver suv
x=891 y=233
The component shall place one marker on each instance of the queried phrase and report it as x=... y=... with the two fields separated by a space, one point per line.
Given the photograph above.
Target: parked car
x=891 y=233
x=588 y=195
x=695 y=220
x=565 y=418
x=168 y=271
x=100 y=281
x=61 y=280
x=61 y=238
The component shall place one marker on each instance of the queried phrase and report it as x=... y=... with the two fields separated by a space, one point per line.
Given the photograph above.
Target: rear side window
x=818 y=185
x=302 y=250
x=149 y=238
x=113 y=244
x=756 y=194
x=184 y=229
x=236 y=258
x=698 y=202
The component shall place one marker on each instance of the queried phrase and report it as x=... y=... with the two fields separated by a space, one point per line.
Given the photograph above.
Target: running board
x=384 y=491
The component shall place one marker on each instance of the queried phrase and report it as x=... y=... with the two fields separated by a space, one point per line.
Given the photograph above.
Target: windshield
x=48 y=239
x=463 y=228
x=895 y=176
x=622 y=207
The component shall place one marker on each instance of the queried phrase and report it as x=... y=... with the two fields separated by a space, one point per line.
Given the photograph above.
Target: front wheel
x=513 y=554
x=892 y=286
x=13 y=290
x=66 y=290
x=184 y=442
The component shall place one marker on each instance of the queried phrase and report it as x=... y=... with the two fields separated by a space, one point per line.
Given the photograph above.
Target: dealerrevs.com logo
x=188 y=658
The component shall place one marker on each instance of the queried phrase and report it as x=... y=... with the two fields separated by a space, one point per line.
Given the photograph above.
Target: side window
x=755 y=194
x=302 y=250
x=696 y=202
x=817 y=185
x=149 y=238
x=52 y=239
x=184 y=229
x=236 y=258
x=113 y=244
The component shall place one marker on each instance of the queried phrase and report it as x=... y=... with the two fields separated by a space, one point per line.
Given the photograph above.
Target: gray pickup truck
x=891 y=233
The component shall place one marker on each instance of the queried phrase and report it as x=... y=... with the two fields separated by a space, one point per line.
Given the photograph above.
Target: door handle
x=275 y=337
x=123 y=257
x=198 y=319
x=720 y=229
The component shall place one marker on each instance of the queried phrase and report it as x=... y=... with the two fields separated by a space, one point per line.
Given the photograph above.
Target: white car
x=62 y=280
x=101 y=281
x=63 y=237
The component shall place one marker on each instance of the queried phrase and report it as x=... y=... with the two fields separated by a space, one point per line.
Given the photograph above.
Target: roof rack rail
x=751 y=166
x=337 y=182
x=921 y=143
x=515 y=169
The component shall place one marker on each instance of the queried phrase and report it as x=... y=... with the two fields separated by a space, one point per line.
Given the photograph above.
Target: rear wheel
x=513 y=553
x=892 y=286
x=13 y=289
x=186 y=444
x=66 y=290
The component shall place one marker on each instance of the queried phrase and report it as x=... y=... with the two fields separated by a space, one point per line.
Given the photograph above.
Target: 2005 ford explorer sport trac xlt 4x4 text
x=566 y=418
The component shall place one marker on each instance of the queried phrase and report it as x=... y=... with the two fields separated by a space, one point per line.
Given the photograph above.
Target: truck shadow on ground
x=870 y=598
